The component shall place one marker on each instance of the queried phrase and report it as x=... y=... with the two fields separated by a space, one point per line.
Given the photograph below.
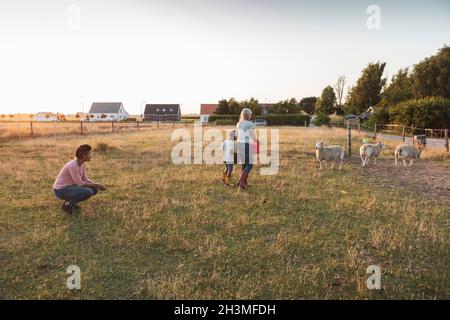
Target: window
x=171 y=110
x=164 y=110
x=157 y=109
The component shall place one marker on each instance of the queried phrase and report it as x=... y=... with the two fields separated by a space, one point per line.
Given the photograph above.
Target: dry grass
x=167 y=231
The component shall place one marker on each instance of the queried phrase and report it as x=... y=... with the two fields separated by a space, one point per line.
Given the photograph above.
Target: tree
x=399 y=89
x=223 y=107
x=431 y=77
x=289 y=106
x=322 y=119
x=367 y=91
x=308 y=105
x=253 y=105
x=429 y=112
x=339 y=89
x=327 y=101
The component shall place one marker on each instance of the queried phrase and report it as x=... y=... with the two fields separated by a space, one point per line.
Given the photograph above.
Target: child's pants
x=228 y=169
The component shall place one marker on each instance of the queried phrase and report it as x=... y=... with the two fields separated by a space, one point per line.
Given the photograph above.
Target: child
x=228 y=157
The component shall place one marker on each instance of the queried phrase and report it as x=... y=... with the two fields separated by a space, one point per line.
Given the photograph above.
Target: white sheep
x=329 y=153
x=370 y=151
x=407 y=152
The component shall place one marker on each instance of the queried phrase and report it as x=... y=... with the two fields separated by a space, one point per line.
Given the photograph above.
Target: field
x=165 y=231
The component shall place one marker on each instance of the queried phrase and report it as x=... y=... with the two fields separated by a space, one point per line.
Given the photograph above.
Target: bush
x=272 y=119
x=430 y=112
x=322 y=119
x=217 y=117
x=379 y=117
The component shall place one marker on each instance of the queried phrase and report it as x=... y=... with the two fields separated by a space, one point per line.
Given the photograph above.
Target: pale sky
x=200 y=51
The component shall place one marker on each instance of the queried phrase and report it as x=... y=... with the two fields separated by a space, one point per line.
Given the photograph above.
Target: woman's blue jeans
x=75 y=194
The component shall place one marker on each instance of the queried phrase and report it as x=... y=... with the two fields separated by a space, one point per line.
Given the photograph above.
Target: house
x=162 y=112
x=107 y=111
x=265 y=107
x=206 y=110
x=45 y=116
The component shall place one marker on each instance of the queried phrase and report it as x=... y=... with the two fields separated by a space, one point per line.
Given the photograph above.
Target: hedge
x=430 y=112
x=272 y=119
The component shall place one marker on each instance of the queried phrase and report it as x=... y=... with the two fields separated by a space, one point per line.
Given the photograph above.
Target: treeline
x=290 y=106
x=418 y=97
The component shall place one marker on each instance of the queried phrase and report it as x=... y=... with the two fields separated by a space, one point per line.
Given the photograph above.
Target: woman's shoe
x=67 y=207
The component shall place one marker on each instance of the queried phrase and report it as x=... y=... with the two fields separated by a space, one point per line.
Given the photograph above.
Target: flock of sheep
x=367 y=151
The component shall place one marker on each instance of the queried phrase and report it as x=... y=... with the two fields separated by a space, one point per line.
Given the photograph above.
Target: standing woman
x=245 y=138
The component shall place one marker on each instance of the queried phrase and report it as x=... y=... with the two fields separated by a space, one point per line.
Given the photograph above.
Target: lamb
x=370 y=151
x=329 y=153
x=407 y=152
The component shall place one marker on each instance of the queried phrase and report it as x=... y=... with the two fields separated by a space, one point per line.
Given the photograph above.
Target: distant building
x=206 y=110
x=264 y=107
x=107 y=111
x=45 y=116
x=162 y=112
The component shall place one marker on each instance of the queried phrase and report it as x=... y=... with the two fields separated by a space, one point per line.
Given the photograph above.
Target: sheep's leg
x=375 y=160
x=404 y=162
x=411 y=162
x=320 y=167
x=332 y=165
x=340 y=165
x=396 y=164
x=363 y=161
x=367 y=160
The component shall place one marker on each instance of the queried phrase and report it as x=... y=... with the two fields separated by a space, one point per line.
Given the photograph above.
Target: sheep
x=407 y=152
x=370 y=151
x=329 y=153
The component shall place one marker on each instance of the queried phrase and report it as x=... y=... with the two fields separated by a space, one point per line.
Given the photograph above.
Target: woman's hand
x=100 y=187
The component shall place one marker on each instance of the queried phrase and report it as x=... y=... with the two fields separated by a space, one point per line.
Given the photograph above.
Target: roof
x=208 y=109
x=105 y=107
x=158 y=109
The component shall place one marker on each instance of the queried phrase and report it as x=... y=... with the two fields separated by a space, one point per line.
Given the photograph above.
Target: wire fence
x=23 y=130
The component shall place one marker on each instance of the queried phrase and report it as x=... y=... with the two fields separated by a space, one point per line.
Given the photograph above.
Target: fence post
x=349 y=139
x=359 y=125
x=375 y=131
x=31 y=127
x=173 y=124
x=446 y=139
x=157 y=124
x=403 y=134
x=112 y=126
x=18 y=133
x=81 y=127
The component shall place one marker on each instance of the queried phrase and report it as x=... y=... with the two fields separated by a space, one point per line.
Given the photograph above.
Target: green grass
x=165 y=231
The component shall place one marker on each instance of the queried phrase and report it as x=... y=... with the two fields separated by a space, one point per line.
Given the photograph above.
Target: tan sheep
x=407 y=152
x=370 y=151
x=329 y=153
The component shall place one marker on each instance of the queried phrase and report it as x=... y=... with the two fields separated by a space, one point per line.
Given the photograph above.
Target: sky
x=60 y=55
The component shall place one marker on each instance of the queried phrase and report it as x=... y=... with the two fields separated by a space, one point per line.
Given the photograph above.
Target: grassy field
x=165 y=231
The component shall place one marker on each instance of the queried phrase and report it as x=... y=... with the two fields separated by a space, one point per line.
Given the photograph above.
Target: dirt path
x=428 y=178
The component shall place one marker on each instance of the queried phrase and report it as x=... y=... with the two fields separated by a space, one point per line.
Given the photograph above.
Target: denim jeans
x=245 y=156
x=228 y=169
x=75 y=194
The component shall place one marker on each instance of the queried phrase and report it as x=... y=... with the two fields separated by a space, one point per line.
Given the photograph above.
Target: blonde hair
x=246 y=114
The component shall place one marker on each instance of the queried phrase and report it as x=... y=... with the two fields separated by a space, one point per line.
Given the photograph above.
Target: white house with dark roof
x=107 y=111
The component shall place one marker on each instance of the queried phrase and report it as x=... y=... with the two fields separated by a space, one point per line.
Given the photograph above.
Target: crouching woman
x=72 y=184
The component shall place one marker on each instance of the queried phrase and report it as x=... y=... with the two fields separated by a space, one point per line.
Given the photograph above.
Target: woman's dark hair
x=82 y=150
